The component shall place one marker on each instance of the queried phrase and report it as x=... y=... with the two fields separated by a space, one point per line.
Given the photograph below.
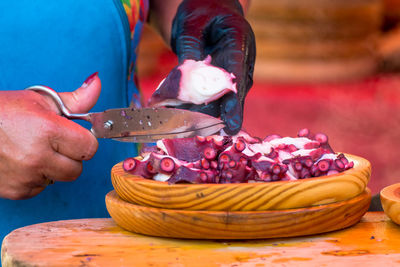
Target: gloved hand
x=217 y=28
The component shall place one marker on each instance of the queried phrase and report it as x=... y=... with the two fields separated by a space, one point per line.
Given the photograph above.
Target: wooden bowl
x=243 y=196
x=390 y=199
x=236 y=224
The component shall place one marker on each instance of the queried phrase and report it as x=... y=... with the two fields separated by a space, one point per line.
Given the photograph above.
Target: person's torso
x=59 y=44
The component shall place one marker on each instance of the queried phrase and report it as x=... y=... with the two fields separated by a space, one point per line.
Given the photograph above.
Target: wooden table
x=375 y=241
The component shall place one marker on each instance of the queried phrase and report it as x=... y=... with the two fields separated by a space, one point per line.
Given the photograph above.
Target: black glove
x=217 y=28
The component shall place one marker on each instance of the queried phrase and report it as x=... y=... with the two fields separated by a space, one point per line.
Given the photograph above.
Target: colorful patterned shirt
x=136 y=11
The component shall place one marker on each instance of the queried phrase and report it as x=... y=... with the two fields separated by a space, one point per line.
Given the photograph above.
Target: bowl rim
x=206 y=224
x=113 y=195
x=391 y=192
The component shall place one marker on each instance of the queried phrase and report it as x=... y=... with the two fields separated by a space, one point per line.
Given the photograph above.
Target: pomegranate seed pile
x=238 y=159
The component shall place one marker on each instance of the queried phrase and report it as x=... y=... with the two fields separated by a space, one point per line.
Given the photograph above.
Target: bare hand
x=37 y=144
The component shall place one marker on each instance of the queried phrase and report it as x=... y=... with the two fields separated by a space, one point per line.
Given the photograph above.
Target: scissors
x=140 y=125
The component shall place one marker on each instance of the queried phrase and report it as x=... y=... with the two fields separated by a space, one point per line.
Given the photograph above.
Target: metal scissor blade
x=151 y=124
x=153 y=138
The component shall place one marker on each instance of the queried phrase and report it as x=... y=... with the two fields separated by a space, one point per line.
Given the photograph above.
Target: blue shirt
x=59 y=44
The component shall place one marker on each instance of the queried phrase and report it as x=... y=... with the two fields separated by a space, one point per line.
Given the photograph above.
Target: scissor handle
x=57 y=99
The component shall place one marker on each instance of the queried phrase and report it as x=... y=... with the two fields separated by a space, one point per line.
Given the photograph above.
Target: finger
x=234 y=46
x=234 y=49
x=85 y=97
x=35 y=191
x=58 y=168
x=231 y=114
x=20 y=194
x=62 y=169
x=187 y=40
x=70 y=139
x=212 y=109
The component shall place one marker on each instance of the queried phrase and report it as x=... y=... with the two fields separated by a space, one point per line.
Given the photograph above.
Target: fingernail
x=89 y=79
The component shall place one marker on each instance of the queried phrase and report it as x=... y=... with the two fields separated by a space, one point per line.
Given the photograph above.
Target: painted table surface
x=100 y=242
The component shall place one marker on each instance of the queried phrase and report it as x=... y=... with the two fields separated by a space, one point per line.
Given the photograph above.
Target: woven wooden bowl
x=236 y=224
x=243 y=196
x=390 y=199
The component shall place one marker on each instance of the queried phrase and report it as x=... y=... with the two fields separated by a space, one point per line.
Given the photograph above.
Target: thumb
x=85 y=97
x=231 y=113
